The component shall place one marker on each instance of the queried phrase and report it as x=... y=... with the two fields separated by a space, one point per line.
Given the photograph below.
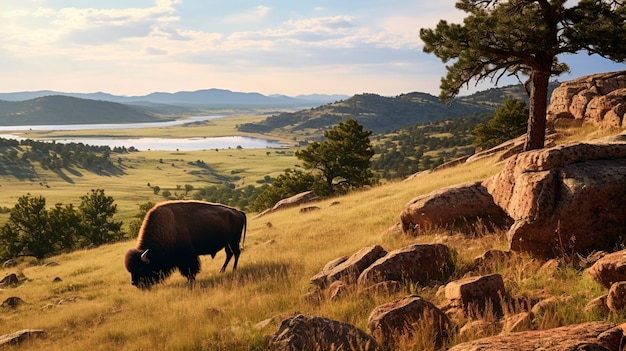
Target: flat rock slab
x=586 y=336
x=19 y=336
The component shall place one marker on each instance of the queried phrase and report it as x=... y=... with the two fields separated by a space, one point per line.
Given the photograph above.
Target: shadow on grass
x=265 y=272
x=18 y=169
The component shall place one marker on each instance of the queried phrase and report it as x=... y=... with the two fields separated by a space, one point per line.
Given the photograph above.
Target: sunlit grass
x=94 y=306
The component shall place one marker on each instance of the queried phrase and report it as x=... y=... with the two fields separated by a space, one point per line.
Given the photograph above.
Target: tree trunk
x=536 y=134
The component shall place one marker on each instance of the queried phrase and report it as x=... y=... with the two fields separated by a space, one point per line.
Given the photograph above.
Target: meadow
x=94 y=306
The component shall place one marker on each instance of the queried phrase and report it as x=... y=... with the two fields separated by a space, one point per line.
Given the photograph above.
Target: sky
x=284 y=47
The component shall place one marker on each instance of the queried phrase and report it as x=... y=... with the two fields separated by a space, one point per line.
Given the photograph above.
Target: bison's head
x=143 y=271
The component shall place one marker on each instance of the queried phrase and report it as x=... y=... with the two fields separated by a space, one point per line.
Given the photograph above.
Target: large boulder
x=599 y=99
x=588 y=336
x=318 y=333
x=457 y=207
x=564 y=200
x=418 y=263
x=396 y=321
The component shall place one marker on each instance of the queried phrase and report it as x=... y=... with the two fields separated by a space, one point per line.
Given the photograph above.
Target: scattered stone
x=490 y=260
x=337 y=289
x=20 y=336
x=598 y=305
x=547 y=305
x=298 y=199
x=10 y=263
x=393 y=231
x=418 y=263
x=12 y=302
x=57 y=280
x=609 y=269
x=9 y=280
x=318 y=333
x=399 y=320
x=477 y=295
x=587 y=336
x=616 y=299
x=309 y=209
x=350 y=269
x=477 y=329
x=549 y=268
x=518 y=322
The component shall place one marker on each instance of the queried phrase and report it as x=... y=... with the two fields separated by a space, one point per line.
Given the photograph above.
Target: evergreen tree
x=508 y=122
x=524 y=37
x=29 y=225
x=97 y=211
x=343 y=159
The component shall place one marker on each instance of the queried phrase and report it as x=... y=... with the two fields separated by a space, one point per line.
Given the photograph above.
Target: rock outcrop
x=599 y=99
x=456 y=207
x=564 y=200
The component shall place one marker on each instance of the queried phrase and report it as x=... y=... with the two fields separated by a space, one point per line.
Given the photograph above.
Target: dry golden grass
x=94 y=307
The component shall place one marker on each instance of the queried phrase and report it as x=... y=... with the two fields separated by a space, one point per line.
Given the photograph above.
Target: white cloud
x=254 y=15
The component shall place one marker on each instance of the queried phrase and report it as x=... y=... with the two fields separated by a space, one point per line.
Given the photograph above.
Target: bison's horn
x=144 y=257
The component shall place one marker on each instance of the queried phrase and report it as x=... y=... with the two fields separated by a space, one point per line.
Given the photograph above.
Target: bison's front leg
x=190 y=267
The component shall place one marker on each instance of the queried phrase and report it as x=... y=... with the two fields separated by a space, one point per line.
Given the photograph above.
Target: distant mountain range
x=207 y=98
x=314 y=112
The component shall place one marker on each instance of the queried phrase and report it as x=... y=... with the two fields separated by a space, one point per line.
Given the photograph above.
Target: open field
x=170 y=170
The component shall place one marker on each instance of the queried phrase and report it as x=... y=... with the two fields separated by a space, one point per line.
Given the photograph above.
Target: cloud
x=254 y=15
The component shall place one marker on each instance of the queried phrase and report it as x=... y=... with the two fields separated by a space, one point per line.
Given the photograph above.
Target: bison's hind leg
x=230 y=251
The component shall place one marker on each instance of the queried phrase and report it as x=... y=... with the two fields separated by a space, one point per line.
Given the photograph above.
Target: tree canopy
x=343 y=159
x=524 y=37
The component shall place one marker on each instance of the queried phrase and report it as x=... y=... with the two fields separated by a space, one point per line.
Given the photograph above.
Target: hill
x=57 y=109
x=383 y=114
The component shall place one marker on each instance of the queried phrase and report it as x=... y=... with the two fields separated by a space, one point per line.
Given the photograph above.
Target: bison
x=173 y=234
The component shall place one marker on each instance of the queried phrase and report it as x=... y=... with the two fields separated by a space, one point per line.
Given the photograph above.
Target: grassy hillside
x=376 y=113
x=94 y=306
x=59 y=109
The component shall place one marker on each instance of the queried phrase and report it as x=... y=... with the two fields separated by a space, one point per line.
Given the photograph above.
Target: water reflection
x=165 y=144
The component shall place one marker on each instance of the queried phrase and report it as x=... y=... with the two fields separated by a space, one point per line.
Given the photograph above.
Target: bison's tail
x=245 y=226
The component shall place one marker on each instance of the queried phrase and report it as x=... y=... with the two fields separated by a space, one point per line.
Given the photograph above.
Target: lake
x=165 y=144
